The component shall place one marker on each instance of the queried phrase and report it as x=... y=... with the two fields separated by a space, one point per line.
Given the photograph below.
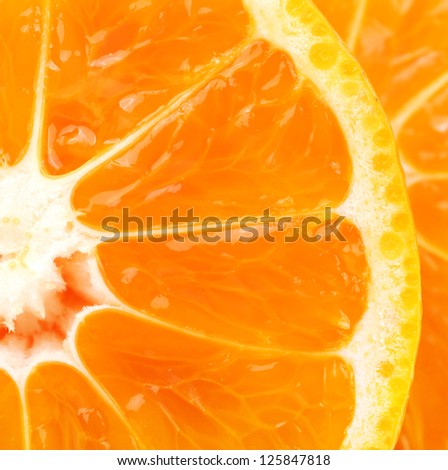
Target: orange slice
x=403 y=46
x=139 y=110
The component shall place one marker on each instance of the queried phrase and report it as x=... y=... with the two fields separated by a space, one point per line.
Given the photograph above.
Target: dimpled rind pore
x=392 y=246
x=324 y=55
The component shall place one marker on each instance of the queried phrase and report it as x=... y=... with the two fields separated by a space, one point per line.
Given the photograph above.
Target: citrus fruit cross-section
x=403 y=47
x=229 y=108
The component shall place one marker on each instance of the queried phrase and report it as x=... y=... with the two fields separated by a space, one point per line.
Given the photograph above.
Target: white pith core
x=46 y=256
x=48 y=271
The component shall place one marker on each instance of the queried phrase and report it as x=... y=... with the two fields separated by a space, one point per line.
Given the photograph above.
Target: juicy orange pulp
x=225 y=134
x=170 y=105
x=19 y=48
x=403 y=47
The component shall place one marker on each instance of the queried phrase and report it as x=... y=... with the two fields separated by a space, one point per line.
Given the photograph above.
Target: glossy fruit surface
x=227 y=108
x=403 y=47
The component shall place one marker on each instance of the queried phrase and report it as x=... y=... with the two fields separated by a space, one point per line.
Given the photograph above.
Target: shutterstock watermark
x=212 y=229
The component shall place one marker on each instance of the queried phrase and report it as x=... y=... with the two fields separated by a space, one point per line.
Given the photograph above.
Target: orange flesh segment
x=254 y=117
x=257 y=127
x=127 y=60
x=11 y=436
x=181 y=391
x=65 y=412
x=255 y=293
x=430 y=206
x=20 y=33
x=423 y=139
x=401 y=48
x=255 y=130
